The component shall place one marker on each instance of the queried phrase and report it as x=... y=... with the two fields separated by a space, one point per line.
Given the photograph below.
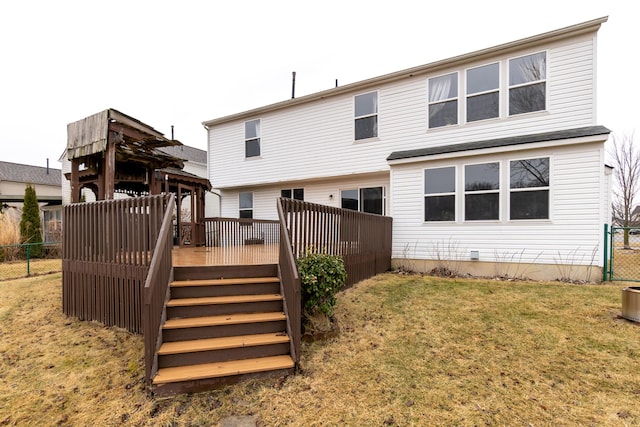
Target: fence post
x=606 y=246
x=28 y=259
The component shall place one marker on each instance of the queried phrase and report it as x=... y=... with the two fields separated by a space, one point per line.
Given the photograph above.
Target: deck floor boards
x=225 y=255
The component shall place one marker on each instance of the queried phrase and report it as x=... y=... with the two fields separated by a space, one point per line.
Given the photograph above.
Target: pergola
x=111 y=153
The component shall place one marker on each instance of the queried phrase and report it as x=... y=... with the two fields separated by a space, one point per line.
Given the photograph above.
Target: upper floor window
x=443 y=100
x=483 y=92
x=529 y=188
x=527 y=83
x=293 y=193
x=246 y=205
x=252 y=138
x=369 y=200
x=440 y=194
x=366 y=115
x=482 y=191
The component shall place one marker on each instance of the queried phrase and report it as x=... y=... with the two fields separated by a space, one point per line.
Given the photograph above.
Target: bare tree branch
x=626 y=162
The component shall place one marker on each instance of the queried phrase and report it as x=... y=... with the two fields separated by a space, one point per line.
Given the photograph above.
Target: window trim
x=257 y=138
x=465 y=192
x=454 y=194
x=548 y=188
x=497 y=90
x=443 y=101
x=376 y=114
x=509 y=86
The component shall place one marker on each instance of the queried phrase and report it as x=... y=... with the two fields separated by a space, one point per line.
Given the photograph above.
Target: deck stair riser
x=208 y=306
x=223 y=324
x=223 y=287
x=226 y=349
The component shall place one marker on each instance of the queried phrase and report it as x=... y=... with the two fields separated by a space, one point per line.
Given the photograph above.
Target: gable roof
x=562 y=33
x=501 y=142
x=16 y=172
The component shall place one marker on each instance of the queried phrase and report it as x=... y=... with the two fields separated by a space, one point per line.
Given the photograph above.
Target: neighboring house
x=15 y=177
x=195 y=162
x=490 y=163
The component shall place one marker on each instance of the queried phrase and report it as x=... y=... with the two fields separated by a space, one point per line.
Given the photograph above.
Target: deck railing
x=156 y=292
x=240 y=231
x=290 y=284
x=362 y=240
x=107 y=251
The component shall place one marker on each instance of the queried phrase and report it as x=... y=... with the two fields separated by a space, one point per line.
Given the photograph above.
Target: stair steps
x=220 y=330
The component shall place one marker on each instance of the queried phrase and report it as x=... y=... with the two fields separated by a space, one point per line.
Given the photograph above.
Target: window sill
x=253 y=158
x=360 y=141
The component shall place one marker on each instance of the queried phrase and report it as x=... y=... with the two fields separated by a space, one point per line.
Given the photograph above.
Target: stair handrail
x=156 y=288
x=290 y=284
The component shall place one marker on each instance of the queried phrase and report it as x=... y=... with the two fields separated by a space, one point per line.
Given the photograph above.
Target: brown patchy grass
x=412 y=351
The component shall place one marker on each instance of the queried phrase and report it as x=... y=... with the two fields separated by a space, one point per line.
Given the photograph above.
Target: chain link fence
x=623 y=261
x=30 y=259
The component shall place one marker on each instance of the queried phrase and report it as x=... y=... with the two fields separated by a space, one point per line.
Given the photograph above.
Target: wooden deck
x=226 y=255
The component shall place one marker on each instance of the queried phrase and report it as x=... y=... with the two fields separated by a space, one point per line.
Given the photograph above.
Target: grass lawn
x=412 y=350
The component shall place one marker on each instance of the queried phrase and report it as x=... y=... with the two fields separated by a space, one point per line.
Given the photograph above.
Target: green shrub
x=30 y=227
x=321 y=277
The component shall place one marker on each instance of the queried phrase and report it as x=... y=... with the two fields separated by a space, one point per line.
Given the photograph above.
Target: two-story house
x=490 y=163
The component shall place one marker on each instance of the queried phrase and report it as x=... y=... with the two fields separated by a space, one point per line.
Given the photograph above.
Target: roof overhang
x=19 y=198
x=489 y=146
x=591 y=26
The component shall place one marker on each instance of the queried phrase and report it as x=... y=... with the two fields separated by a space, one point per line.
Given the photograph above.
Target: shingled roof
x=187 y=153
x=500 y=142
x=17 y=172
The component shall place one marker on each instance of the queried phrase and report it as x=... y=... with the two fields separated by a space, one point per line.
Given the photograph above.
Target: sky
x=179 y=63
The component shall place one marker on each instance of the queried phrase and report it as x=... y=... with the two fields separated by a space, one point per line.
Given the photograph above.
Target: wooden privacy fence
x=240 y=231
x=362 y=240
x=107 y=250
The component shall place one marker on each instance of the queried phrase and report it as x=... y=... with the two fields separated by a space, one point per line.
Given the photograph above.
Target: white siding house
x=490 y=163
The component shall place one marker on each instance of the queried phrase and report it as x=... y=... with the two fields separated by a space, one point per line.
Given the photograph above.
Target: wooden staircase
x=223 y=324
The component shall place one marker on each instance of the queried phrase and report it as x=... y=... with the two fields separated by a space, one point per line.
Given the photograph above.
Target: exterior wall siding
x=315 y=140
x=321 y=192
x=572 y=234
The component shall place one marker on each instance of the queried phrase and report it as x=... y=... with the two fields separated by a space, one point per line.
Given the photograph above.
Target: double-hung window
x=252 y=138
x=529 y=188
x=482 y=191
x=293 y=193
x=443 y=100
x=366 y=115
x=369 y=200
x=527 y=83
x=440 y=194
x=246 y=205
x=483 y=92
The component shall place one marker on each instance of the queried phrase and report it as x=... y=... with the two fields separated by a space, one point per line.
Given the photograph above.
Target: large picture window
x=482 y=191
x=252 y=138
x=527 y=83
x=483 y=92
x=440 y=194
x=369 y=200
x=529 y=188
x=246 y=205
x=366 y=115
x=443 y=100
